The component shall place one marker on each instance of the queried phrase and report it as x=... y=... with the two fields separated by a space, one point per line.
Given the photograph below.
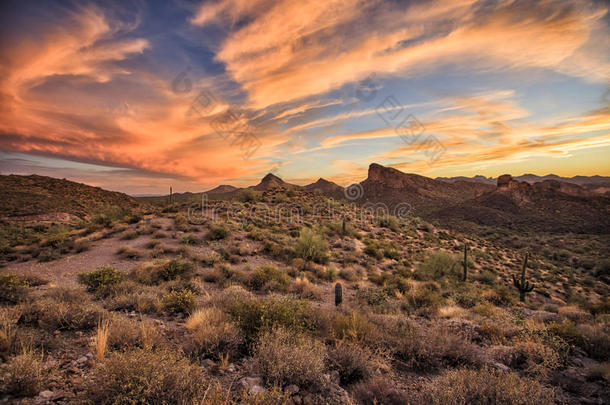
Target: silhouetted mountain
x=325 y=187
x=390 y=186
x=272 y=181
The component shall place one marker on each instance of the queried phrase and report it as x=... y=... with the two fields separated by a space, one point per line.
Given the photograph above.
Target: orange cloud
x=283 y=55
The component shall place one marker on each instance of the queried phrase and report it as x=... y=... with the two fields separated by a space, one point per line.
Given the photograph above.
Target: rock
x=207 y=363
x=502 y=367
x=297 y=400
x=257 y=389
x=291 y=389
x=248 y=383
x=81 y=360
x=504 y=180
x=48 y=395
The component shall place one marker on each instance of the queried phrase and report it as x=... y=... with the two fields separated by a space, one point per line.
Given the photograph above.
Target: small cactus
x=338 y=294
x=343 y=226
x=465 y=263
x=523 y=285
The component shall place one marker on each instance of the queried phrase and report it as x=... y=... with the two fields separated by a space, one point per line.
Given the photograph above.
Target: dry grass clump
x=592 y=338
x=218 y=231
x=131 y=296
x=484 y=387
x=62 y=309
x=127 y=252
x=282 y=358
x=127 y=333
x=22 y=375
x=145 y=377
x=213 y=333
x=305 y=289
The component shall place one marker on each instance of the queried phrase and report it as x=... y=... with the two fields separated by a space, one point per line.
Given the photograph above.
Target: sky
x=136 y=96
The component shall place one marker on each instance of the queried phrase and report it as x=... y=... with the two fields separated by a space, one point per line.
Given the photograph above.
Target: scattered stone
x=257 y=389
x=291 y=389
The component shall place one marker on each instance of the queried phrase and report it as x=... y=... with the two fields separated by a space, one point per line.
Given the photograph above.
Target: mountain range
x=516 y=203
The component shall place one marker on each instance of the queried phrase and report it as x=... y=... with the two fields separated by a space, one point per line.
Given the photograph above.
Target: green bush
x=311 y=246
x=180 y=301
x=145 y=377
x=436 y=266
x=254 y=316
x=390 y=222
x=12 y=289
x=103 y=277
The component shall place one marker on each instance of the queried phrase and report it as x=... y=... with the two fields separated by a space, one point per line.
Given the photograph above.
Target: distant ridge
x=23 y=196
x=223 y=188
x=584 y=181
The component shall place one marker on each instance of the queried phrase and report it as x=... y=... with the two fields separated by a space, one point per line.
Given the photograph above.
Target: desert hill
x=41 y=197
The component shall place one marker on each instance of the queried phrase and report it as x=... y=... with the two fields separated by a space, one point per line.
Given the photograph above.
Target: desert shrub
x=127 y=252
x=180 y=301
x=213 y=333
x=429 y=349
x=217 y=231
x=254 y=316
x=269 y=277
x=129 y=235
x=211 y=258
x=285 y=358
x=145 y=377
x=436 y=266
x=303 y=288
x=534 y=359
x=249 y=195
x=103 y=277
x=22 y=375
x=12 y=289
x=310 y=246
x=390 y=222
x=373 y=296
x=485 y=387
x=425 y=299
x=190 y=239
x=380 y=391
x=62 y=309
x=352 y=362
x=155 y=273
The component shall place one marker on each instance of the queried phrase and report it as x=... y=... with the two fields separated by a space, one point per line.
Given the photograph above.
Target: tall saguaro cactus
x=338 y=294
x=343 y=230
x=523 y=285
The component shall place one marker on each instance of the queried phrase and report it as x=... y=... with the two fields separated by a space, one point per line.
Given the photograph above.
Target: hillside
x=40 y=197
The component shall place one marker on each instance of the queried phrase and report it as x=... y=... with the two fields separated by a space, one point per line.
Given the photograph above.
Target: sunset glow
x=139 y=96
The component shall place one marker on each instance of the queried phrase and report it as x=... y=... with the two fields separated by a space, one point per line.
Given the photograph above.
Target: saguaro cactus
x=465 y=263
x=343 y=226
x=523 y=285
x=170 y=195
x=338 y=294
